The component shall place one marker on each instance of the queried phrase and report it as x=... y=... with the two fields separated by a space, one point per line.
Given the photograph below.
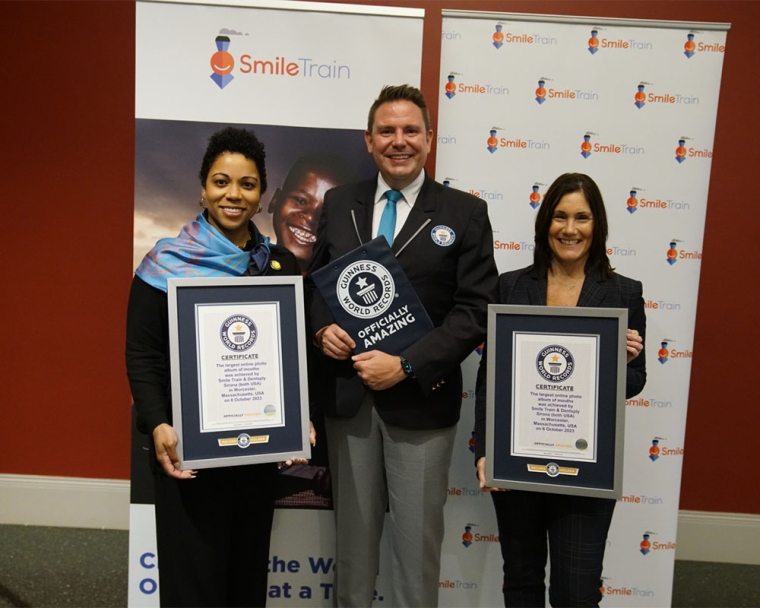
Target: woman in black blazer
x=570 y=268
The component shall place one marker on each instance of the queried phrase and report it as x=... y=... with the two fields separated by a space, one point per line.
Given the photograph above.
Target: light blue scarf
x=201 y=251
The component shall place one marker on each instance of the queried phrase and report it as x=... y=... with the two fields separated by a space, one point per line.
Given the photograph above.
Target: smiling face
x=295 y=213
x=399 y=142
x=222 y=62
x=233 y=195
x=572 y=230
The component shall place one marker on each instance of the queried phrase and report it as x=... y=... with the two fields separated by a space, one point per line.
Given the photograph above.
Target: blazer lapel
x=594 y=290
x=422 y=211
x=362 y=209
x=537 y=290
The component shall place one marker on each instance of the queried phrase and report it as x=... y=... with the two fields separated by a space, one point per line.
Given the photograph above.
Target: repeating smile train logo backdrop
x=222 y=63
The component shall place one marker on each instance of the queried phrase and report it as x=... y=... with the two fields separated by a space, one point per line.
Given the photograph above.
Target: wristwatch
x=407 y=367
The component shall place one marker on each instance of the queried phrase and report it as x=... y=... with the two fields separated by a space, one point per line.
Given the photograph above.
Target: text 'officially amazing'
x=385 y=326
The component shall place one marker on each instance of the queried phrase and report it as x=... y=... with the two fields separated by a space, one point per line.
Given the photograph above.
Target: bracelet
x=407 y=367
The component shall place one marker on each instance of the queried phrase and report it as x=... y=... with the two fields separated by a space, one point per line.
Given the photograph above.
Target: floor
x=80 y=567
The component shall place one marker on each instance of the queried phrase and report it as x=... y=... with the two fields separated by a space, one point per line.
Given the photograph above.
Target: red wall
x=68 y=148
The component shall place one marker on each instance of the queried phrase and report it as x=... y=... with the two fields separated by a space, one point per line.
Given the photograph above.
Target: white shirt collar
x=411 y=192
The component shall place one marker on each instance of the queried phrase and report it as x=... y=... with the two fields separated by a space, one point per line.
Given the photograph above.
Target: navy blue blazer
x=455 y=284
x=525 y=287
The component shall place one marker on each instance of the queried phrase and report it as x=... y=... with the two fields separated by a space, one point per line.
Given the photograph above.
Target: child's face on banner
x=296 y=211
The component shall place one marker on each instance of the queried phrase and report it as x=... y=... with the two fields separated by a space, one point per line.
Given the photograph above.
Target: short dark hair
x=567 y=183
x=236 y=141
x=401 y=92
x=332 y=166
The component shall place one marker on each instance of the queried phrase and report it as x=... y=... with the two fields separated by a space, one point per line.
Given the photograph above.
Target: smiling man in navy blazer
x=391 y=420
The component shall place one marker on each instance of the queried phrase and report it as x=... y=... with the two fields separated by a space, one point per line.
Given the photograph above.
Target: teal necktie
x=388 y=219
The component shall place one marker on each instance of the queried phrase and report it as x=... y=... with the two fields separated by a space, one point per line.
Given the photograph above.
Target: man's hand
x=378 y=370
x=165 y=439
x=335 y=343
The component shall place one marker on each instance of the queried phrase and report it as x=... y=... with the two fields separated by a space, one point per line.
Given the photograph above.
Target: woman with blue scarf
x=212 y=526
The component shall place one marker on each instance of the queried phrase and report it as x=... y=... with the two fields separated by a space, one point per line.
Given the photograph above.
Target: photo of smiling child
x=297 y=205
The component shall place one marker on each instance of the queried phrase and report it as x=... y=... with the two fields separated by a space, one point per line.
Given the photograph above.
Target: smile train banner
x=302 y=75
x=523 y=99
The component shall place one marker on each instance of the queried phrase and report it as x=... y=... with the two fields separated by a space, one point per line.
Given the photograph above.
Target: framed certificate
x=238 y=370
x=555 y=399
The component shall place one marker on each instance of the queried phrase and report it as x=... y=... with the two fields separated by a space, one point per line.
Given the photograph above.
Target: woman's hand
x=165 y=439
x=481 y=464
x=634 y=344
x=312 y=440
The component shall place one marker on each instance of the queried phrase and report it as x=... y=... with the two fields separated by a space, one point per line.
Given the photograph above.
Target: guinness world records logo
x=365 y=289
x=555 y=363
x=238 y=333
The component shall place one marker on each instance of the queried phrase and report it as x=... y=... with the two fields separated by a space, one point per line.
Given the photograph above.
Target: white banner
x=525 y=98
x=303 y=76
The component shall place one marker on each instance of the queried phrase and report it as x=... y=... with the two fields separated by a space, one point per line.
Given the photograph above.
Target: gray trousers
x=374 y=465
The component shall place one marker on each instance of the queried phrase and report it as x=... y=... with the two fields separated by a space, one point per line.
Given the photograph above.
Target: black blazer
x=455 y=284
x=525 y=287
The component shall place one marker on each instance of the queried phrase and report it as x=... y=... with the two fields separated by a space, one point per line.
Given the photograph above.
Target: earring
x=200 y=202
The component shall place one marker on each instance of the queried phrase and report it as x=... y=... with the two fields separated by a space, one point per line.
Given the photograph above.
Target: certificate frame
x=584 y=468
x=269 y=366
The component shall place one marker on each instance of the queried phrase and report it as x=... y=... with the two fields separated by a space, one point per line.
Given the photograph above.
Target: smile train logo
x=593 y=42
x=222 y=63
x=498 y=36
x=492 y=141
x=681 y=150
x=663 y=354
x=672 y=253
x=654 y=451
x=689 y=46
x=632 y=203
x=467 y=536
x=535 y=196
x=451 y=87
x=640 y=97
x=541 y=91
x=586 y=145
